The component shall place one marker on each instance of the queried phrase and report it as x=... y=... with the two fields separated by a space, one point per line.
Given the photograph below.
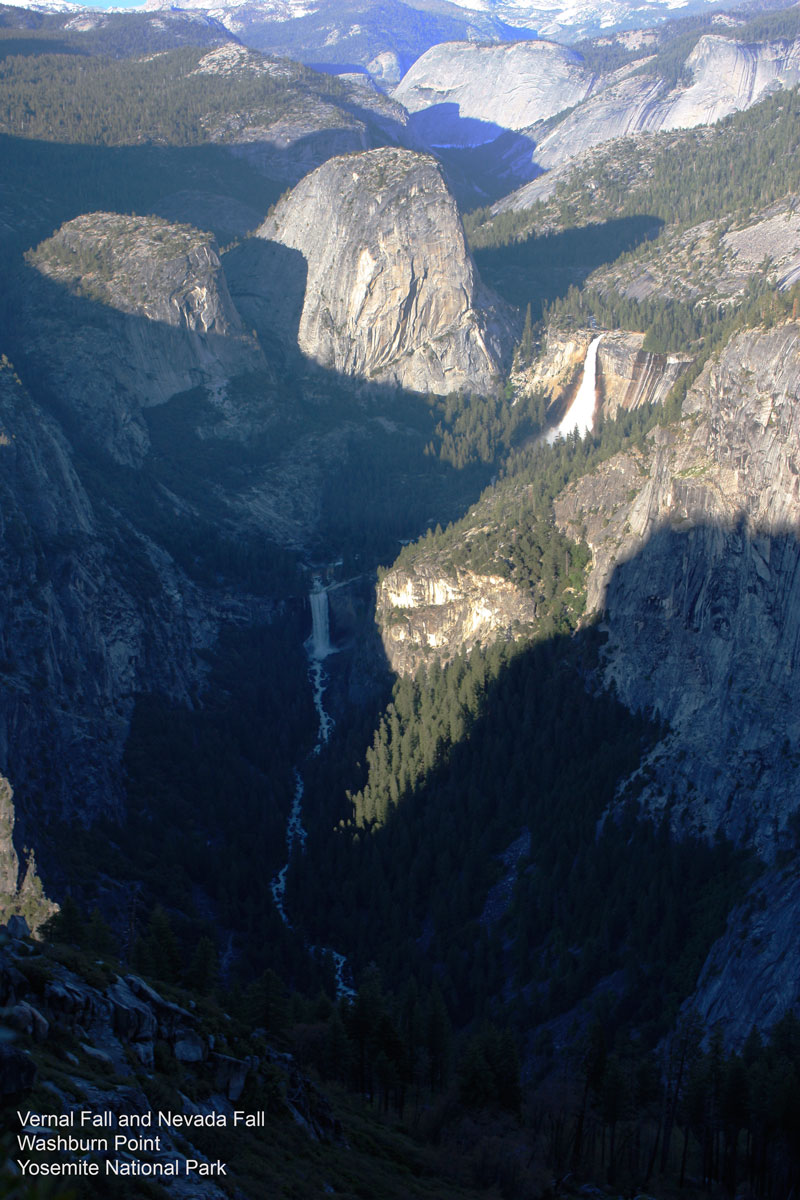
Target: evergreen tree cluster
x=677 y=326
x=117 y=34
x=511 y=531
x=696 y=1115
x=83 y=99
x=689 y=1113
x=474 y=429
x=466 y=757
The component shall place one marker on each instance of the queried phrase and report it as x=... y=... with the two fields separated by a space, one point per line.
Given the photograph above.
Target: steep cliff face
x=725 y=77
x=144 y=307
x=695 y=580
x=695 y=556
x=92 y=611
x=391 y=292
x=21 y=892
x=629 y=106
x=627 y=376
x=429 y=612
x=694 y=571
x=750 y=976
x=728 y=76
x=463 y=93
x=558 y=366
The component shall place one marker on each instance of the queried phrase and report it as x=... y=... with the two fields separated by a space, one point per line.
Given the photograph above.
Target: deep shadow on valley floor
x=542 y=268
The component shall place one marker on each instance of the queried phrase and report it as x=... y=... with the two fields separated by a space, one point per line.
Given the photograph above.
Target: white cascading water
x=295 y=832
x=580 y=414
x=318 y=647
x=320 y=626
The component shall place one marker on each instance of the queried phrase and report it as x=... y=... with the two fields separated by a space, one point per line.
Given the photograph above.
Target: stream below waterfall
x=317 y=647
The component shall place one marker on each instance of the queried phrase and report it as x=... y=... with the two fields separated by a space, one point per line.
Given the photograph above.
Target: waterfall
x=320 y=626
x=580 y=414
x=318 y=647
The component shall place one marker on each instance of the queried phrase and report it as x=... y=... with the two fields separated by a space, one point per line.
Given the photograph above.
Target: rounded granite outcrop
x=391 y=292
x=493 y=88
x=144 y=306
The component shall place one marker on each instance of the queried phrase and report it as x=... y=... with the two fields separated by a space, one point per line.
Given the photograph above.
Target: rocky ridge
x=722 y=76
x=383 y=40
x=84 y=1035
x=391 y=293
x=142 y=302
x=310 y=128
x=726 y=76
x=713 y=260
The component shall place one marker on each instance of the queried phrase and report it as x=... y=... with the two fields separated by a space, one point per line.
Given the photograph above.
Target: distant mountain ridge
x=571 y=20
x=379 y=37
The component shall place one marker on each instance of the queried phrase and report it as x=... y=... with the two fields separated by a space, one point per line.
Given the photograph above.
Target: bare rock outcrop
x=391 y=292
x=724 y=77
x=629 y=376
x=432 y=612
x=695 y=559
x=22 y=897
x=728 y=76
x=558 y=366
x=463 y=92
x=145 y=309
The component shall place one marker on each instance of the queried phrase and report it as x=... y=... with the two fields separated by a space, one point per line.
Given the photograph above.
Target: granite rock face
x=695 y=578
x=23 y=903
x=92 y=611
x=426 y=612
x=391 y=292
x=724 y=76
x=556 y=370
x=629 y=376
x=695 y=570
x=750 y=975
x=461 y=93
x=432 y=610
x=728 y=76
x=144 y=307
